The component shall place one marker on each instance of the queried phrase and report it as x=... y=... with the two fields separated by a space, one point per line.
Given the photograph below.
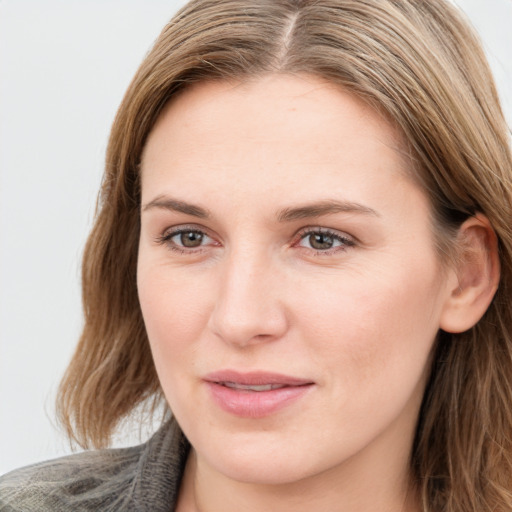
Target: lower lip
x=255 y=404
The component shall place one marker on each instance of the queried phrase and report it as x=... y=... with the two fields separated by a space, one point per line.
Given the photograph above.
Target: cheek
x=375 y=328
x=175 y=310
x=367 y=335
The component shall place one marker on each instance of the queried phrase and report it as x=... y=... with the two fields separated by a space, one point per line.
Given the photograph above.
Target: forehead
x=299 y=132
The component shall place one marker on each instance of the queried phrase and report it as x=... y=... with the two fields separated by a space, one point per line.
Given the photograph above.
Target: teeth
x=247 y=387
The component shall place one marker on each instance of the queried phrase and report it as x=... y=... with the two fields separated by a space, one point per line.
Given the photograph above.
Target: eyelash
x=166 y=239
x=345 y=241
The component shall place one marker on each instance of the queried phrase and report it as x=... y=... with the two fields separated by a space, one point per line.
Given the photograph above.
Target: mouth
x=255 y=394
x=252 y=388
x=254 y=379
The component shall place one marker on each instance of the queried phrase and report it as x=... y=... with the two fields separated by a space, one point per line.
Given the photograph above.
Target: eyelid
x=348 y=240
x=165 y=238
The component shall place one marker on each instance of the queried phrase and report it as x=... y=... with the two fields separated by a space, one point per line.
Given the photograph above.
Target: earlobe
x=476 y=277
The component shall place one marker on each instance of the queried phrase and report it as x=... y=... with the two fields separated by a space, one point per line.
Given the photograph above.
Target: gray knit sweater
x=141 y=478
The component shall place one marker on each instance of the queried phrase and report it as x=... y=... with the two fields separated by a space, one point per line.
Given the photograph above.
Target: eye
x=185 y=239
x=323 y=240
x=188 y=239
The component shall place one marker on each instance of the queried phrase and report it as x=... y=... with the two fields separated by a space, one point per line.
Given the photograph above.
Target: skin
x=358 y=319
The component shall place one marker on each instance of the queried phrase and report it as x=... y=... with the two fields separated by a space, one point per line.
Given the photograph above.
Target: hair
x=420 y=64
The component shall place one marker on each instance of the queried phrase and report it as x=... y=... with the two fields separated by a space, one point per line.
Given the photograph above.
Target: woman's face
x=288 y=280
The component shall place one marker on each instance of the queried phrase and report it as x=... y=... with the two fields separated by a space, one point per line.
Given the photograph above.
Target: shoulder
x=140 y=478
x=82 y=482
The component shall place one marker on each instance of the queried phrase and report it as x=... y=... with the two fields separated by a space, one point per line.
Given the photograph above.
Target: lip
x=231 y=391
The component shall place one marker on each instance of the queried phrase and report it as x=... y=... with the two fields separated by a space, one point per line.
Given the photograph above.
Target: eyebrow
x=324 y=208
x=168 y=203
x=289 y=214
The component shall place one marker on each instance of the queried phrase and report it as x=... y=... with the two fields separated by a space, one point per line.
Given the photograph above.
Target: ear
x=474 y=282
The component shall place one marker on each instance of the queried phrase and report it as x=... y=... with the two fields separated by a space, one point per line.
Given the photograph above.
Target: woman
x=303 y=245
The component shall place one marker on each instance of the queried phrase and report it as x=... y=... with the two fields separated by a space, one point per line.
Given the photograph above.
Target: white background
x=64 y=66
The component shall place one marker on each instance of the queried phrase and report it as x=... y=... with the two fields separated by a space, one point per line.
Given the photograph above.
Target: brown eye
x=186 y=240
x=324 y=241
x=190 y=239
x=321 y=241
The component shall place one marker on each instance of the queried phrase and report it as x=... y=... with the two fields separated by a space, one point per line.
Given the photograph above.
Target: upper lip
x=254 y=378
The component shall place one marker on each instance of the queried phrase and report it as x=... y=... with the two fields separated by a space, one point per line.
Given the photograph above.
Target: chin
x=262 y=472
x=263 y=461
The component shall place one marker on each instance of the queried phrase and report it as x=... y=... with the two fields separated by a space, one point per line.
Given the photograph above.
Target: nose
x=249 y=306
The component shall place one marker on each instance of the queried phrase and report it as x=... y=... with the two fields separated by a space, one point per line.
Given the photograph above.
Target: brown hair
x=420 y=64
